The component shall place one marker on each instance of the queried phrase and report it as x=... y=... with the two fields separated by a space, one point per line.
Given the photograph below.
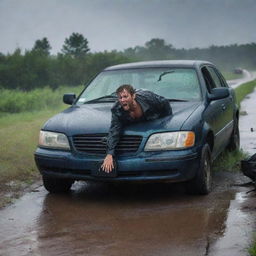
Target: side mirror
x=69 y=98
x=218 y=93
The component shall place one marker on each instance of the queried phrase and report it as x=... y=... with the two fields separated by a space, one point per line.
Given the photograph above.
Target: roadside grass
x=14 y=101
x=243 y=90
x=252 y=249
x=19 y=133
x=18 y=141
x=229 y=161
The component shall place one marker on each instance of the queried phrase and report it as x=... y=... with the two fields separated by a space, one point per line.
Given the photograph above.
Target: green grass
x=19 y=137
x=252 y=249
x=18 y=140
x=13 y=101
x=229 y=161
x=243 y=90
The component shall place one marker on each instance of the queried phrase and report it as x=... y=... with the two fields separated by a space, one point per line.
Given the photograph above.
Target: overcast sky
x=119 y=24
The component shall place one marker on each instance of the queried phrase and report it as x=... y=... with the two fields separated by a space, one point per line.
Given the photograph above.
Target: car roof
x=159 y=63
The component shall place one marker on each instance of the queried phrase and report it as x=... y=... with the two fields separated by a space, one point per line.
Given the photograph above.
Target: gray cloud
x=119 y=24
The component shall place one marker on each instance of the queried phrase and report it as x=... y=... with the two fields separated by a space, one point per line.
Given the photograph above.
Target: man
x=132 y=106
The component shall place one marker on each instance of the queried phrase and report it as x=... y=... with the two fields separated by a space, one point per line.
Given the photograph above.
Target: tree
x=158 y=49
x=42 y=46
x=76 y=45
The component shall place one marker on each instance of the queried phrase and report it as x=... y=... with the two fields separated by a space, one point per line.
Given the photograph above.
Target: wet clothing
x=153 y=106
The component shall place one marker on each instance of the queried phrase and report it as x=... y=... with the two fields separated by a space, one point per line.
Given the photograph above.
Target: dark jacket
x=153 y=106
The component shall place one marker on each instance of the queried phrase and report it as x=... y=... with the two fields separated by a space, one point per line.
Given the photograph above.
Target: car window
x=215 y=77
x=208 y=79
x=222 y=79
x=172 y=83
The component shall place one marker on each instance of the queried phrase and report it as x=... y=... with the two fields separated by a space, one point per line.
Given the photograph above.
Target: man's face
x=126 y=100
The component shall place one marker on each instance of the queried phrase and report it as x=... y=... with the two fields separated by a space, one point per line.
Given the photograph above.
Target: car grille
x=96 y=143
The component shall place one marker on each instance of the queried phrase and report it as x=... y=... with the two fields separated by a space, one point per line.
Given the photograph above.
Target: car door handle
x=223 y=106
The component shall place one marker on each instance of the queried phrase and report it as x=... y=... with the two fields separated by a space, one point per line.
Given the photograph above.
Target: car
x=238 y=71
x=176 y=148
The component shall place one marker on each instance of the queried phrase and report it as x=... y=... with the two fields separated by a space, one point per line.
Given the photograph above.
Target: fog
x=119 y=24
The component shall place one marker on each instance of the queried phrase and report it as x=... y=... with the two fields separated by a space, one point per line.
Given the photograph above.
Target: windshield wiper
x=181 y=100
x=164 y=73
x=110 y=96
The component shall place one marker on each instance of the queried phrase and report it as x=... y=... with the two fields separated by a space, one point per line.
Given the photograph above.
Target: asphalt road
x=149 y=219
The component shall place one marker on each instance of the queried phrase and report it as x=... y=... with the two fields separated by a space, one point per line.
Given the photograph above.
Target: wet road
x=153 y=219
x=149 y=219
x=247 y=124
x=247 y=77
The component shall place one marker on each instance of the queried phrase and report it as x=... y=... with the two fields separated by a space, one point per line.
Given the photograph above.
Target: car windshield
x=172 y=83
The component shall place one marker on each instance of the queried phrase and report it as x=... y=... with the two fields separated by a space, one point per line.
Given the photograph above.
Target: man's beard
x=128 y=106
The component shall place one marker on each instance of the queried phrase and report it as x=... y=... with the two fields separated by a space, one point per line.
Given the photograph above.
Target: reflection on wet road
x=98 y=219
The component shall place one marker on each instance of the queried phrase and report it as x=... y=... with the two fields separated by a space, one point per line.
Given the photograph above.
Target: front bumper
x=175 y=166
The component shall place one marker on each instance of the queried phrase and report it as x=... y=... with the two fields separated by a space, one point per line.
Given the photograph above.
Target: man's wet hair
x=126 y=87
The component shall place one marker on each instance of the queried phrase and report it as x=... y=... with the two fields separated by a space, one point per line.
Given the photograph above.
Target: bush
x=13 y=101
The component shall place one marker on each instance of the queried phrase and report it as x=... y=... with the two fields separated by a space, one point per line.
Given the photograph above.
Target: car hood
x=96 y=118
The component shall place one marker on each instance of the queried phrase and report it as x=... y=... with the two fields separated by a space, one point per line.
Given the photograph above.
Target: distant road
x=247 y=77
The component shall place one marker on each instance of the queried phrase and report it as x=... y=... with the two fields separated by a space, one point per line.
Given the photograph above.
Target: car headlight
x=53 y=140
x=170 y=141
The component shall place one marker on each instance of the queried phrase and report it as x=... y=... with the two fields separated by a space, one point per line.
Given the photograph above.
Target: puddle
x=239 y=228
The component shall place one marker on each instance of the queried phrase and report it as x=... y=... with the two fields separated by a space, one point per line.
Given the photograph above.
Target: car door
x=219 y=113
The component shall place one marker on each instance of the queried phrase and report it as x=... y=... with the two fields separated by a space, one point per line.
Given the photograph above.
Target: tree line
x=37 y=68
x=76 y=64
x=225 y=57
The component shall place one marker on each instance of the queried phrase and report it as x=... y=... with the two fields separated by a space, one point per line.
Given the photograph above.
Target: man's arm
x=112 y=140
x=163 y=105
x=114 y=134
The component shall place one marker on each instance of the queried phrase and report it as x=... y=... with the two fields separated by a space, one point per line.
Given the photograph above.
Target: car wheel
x=202 y=183
x=56 y=185
x=234 y=142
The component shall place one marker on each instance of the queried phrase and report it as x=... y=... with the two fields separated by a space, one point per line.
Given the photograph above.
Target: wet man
x=132 y=106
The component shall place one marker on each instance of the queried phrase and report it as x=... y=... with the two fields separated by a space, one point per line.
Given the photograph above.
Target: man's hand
x=108 y=164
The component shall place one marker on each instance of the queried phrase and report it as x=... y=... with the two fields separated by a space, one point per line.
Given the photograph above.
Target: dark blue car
x=176 y=148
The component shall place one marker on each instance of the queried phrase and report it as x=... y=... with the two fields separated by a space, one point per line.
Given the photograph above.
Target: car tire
x=57 y=185
x=234 y=142
x=201 y=184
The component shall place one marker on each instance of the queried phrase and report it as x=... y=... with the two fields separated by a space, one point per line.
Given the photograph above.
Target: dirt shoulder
x=11 y=191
